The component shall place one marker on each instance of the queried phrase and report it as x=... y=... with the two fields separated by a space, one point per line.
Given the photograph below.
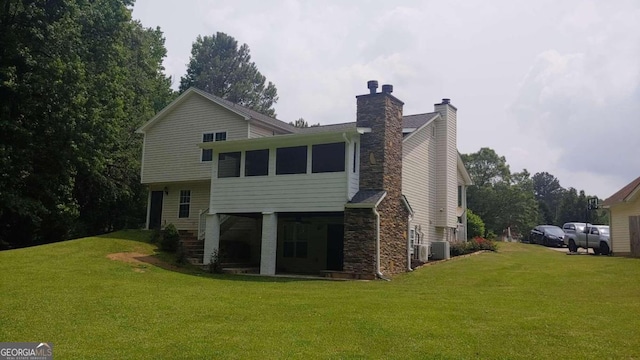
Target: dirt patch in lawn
x=141 y=261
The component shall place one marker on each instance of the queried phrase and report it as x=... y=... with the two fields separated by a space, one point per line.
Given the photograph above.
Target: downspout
x=409 y=244
x=378 y=273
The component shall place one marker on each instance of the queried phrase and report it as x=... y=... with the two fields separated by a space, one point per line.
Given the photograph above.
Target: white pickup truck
x=587 y=236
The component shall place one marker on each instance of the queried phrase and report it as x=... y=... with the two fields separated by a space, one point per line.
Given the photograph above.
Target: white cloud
x=535 y=80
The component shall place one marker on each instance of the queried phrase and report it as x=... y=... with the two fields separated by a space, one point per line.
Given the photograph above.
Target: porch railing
x=202 y=223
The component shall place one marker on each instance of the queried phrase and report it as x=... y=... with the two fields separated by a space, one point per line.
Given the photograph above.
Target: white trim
x=309 y=160
x=286 y=140
x=180 y=203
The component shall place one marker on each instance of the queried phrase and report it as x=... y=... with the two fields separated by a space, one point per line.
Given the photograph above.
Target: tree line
x=517 y=201
x=77 y=78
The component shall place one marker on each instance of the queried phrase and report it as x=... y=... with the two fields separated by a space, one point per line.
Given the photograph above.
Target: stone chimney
x=380 y=171
x=380 y=149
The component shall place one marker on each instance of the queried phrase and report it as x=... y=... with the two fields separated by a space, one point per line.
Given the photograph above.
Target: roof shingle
x=622 y=194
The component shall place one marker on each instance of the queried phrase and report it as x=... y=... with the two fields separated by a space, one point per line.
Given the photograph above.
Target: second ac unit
x=423 y=252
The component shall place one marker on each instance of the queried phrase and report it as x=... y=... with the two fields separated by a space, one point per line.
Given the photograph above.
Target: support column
x=211 y=237
x=269 y=243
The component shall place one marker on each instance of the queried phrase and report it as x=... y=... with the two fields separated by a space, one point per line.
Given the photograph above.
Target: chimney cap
x=372 y=85
x=387 y=88
x=446 y=101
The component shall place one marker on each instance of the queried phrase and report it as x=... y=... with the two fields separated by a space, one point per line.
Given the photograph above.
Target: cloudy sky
x=551 y=85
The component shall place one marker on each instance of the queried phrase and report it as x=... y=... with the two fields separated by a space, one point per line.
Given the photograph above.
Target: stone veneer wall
x=359 y=241
x=380 y=169
x=393 y=236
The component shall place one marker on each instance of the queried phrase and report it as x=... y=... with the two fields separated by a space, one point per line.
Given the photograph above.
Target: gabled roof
x=624 y=194
x=372 y=198
x=243 y=111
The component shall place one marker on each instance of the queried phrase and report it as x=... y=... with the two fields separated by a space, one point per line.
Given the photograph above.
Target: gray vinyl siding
x=171 y=203
x=419 y=182
x=280 y=193
x=170 y=146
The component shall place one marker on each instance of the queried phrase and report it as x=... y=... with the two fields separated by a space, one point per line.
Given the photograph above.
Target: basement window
x=229 y=164
x=256 y=163
x=291 y=160
x=327 y=158
x=185 y=203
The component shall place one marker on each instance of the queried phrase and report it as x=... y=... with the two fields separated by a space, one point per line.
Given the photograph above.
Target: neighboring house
x=624 y=217
x=359 y=199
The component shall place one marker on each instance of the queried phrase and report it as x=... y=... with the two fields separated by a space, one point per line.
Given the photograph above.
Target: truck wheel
x=572 y=246
x=604 y=248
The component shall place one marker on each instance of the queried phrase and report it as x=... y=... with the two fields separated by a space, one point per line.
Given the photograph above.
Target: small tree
x=475 y=225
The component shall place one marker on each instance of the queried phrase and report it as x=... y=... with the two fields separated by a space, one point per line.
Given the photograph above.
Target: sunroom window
x=327 y=158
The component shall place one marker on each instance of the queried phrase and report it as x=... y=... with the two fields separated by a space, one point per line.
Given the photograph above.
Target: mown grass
x=524 y=301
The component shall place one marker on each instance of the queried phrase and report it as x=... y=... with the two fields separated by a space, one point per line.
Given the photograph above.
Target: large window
x=327 y=158
x=296 y=240
x=291 y=160
x=207 y=154
x=185 y=203
x=256 y=163
x=229 y=164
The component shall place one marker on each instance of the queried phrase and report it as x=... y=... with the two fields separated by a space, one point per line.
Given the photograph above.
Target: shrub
x=457 y=248
x=478 y=243
x=170 y=239
x=475 y=225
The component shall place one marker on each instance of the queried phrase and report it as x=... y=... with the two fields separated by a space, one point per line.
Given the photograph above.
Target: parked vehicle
x=547 y=235
x=587 y=236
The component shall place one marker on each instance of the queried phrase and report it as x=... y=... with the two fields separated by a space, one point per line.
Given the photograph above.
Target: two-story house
x=359 y=199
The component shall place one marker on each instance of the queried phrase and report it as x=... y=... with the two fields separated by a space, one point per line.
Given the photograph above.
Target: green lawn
x=524 y=301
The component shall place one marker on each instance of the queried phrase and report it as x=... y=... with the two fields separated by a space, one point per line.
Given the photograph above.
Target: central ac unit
x=423 y=252
x=440 y=250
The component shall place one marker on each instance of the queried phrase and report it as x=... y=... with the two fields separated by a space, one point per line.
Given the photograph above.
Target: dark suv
x=547 y=235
